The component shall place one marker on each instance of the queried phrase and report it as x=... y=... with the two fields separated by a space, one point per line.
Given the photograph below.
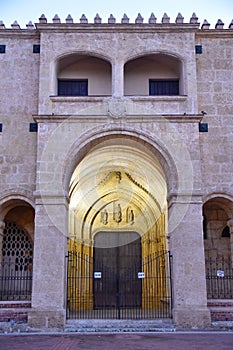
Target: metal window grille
x=163 y=87
x=16 y=264
x=73 y=87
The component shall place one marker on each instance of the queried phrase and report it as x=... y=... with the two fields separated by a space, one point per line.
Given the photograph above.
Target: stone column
x=49 y=272
x=118 y=79
x=2 y=226
x=188 y=264
x=230 y=224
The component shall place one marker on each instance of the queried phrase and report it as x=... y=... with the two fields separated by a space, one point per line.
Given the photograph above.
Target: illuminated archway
x=119 y=186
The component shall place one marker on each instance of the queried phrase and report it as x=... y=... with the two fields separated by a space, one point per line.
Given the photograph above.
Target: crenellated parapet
x=125 y=20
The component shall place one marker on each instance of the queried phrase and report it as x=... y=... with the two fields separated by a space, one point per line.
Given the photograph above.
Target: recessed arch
x=16 y=245
x=141 y=70
x=222 y=200
x=217 y=211
x=143 y=53
x=13 y=198
x=93 y=138
x=118 y=189
x=73 y=53
x=115 y=174
x=93 y=68
x=149 y=213
x=16 y=263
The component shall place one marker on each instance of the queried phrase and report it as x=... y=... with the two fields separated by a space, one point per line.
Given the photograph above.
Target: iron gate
x=134 y=291
x=219 y=278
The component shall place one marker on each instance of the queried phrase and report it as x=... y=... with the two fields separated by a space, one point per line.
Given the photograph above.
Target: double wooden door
x=117 y=267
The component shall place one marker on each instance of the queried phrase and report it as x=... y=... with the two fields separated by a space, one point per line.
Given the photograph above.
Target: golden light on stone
x=116 y=186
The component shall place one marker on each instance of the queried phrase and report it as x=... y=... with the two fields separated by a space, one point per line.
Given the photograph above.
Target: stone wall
x=214 y=82
x=14 y=311
x=28 y=81
x=19 y=76
x=36 y=166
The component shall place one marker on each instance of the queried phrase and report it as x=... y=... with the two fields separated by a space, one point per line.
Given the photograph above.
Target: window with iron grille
x=163 y=87
x=77 y=87
x=16 y=266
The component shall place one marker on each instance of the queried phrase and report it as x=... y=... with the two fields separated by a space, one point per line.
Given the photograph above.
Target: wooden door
x=117 y=261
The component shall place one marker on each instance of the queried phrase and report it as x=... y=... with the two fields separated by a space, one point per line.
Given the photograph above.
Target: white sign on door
x=97 y=274
x=141 y=275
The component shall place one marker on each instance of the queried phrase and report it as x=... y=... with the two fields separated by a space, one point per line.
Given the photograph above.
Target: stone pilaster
x=230 y=224
x=118 y=80
x=2 y=226
x=188 y=266
x=49 y=273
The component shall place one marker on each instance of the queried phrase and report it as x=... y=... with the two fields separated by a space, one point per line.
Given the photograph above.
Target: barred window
x=16 y=265
x=163 y=87
x=77 y=87
x=17 y=247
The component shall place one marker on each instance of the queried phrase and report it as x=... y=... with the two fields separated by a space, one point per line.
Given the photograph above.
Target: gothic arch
x=149 y=213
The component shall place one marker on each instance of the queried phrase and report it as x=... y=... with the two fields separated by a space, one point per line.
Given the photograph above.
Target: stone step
x=115 y=326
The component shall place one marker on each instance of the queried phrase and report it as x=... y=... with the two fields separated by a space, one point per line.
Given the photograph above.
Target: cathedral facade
x=116 y=197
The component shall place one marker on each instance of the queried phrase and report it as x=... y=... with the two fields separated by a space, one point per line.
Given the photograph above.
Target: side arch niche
x=217 y=228
x=16 y=253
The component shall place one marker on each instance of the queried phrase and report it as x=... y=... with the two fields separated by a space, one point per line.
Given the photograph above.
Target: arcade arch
x=218 y=245
x=217 y=212
x=16 y=249
x=142 y=73
x=83 y=69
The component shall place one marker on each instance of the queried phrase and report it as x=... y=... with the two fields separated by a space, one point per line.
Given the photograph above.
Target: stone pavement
x=120 y=341
x=114 y=335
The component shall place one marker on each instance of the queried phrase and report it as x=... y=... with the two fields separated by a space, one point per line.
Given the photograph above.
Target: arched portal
x=117 y=234
x=16 y=249
x=217 y=228
x=16 y=264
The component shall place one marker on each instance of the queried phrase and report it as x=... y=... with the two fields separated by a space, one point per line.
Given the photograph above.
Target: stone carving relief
x=130 y=215
x=117 y=215
x=116 y=109
x=104 y=217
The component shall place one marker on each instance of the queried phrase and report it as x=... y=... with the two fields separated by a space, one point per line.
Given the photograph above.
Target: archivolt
x=92 y=137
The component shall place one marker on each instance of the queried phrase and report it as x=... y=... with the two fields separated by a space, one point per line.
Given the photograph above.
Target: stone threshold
x=118 y=326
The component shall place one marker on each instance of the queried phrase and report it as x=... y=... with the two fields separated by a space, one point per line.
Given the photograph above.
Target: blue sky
x=25 y=10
